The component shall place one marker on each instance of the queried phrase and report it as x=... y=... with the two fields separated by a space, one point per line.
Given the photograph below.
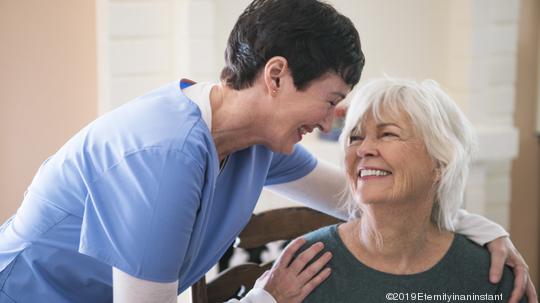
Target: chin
x=286 y=149
x=282 y=149
x=367 y=199
x=288 y=146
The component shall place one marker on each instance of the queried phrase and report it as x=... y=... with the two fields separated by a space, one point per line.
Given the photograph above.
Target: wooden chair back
x=263 y=228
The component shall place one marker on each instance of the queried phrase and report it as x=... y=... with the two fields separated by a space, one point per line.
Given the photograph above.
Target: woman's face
x=388 y=162
x=299 y=112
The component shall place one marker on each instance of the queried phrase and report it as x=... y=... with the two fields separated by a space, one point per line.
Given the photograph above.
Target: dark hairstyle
x=311 y=35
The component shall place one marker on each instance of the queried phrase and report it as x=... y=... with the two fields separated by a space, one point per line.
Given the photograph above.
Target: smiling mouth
x=303 y=130
x=372 y=173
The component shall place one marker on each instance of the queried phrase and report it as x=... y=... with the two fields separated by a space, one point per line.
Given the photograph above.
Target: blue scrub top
x=138 y=189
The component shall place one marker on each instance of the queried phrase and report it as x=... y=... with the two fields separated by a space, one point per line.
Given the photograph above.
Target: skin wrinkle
x=290 y=109
x=414 y=188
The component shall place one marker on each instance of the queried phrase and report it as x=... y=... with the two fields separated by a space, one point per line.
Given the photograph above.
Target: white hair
x=447 y=134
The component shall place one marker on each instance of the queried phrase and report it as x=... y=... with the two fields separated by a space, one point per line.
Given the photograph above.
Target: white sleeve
x=256 y=295
x=322 y=189
x=477 y=228
x=129 y=289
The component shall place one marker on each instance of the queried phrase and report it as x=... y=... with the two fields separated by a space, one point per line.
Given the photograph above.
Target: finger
x=300 y=262
x=286 y=256
x=520 y=284
x=313 y=283
x=309 y=272
x=497 y=265
x=531 y=293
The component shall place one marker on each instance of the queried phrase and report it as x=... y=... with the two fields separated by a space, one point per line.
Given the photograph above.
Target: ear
x=438 y=172
x=275 y=68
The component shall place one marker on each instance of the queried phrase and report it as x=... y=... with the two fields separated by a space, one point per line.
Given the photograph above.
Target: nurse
x=143 y=201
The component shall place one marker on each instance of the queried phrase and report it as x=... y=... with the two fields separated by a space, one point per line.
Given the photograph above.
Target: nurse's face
x=299 y=112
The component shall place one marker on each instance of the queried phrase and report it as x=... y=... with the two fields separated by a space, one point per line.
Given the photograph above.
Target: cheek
x=317 y=114
x=403 y=183
x=350 y=166
x=413 y=175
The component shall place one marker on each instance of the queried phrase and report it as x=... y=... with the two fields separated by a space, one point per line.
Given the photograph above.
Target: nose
x=368 y=148
x=326 y=124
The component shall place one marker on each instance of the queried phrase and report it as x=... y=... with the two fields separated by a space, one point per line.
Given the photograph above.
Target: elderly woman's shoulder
x=326 y=234
x=470 y=251
x=464 y=250
x=474 y=261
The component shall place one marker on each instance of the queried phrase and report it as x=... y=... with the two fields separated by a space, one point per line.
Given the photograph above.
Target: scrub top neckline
x=200 y=95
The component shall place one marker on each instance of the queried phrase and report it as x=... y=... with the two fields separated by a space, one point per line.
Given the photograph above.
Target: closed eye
x=389 y=134
x=353 y=139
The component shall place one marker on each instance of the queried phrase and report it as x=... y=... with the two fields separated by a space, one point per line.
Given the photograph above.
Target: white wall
x=469 y=46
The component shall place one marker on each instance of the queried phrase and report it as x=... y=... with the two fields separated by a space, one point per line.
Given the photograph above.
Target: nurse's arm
x=322 y=189
x=129 y=289
x=290 y=280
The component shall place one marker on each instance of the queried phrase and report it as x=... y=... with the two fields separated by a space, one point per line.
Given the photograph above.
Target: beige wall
x=48 y=85
x=525 y=210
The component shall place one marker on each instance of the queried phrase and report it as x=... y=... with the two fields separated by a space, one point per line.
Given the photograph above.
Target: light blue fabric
x=139 y=189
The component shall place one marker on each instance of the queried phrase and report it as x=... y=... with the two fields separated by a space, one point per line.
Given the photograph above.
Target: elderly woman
x=142 y=202
x=407 y=148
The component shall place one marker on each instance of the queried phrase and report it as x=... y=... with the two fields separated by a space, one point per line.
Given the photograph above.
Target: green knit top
x=462 y=275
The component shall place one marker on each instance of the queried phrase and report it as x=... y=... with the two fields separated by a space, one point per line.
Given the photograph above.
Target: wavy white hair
x=448 y=135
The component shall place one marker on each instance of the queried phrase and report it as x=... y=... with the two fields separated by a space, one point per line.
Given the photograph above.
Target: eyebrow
x=356 y=130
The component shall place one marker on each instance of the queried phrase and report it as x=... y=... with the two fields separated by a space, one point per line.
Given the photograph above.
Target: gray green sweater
x=460 y=276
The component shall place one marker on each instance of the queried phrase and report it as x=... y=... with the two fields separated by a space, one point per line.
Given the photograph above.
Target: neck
x=398 y=237
x=234 y=118
x=392 y=233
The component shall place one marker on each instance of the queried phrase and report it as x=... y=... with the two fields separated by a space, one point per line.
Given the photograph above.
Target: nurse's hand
x=292 y=281
x=503 y=251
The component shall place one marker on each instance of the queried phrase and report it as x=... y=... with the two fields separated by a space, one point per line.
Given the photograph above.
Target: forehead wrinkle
x=380 y=121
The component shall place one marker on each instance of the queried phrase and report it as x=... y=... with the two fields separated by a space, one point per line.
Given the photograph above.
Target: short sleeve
x=285 y=168
x=139 y=214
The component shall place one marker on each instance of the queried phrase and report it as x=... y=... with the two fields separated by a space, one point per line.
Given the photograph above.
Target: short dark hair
x=310 y=34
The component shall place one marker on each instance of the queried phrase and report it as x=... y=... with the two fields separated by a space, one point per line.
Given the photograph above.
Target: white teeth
x=373 y=172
